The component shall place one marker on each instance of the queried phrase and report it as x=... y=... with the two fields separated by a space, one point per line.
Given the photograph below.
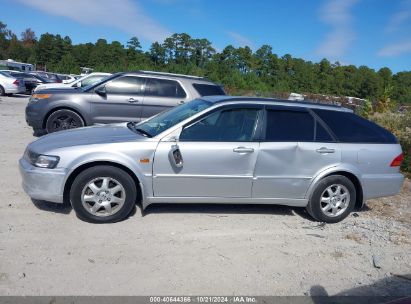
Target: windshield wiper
x=141 y=131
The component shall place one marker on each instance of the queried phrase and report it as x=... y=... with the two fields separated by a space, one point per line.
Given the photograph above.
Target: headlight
x=41 y=160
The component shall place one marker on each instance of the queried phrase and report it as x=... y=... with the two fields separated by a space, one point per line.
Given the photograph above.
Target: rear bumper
x=42 y=184
x=381 y=185
x=14 y=90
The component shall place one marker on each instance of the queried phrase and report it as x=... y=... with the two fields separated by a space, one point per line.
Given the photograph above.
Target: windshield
x=104 y=79
x=170 y=118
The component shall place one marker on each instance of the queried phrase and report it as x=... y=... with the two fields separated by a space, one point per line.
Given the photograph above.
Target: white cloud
x=399 y=18
x=398 y=24
x=337 y=14
x=124 y=15
x=395 y=49
x=239 y=39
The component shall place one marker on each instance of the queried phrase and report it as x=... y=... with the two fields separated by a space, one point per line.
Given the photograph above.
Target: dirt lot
x=191 y=249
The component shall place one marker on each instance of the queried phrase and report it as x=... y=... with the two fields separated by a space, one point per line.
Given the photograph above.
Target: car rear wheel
x=333 y=199
x=63 y=120
x=2 y=92
x=103 y=194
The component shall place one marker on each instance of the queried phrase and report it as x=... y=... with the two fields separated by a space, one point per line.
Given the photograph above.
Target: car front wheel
x=333 y=199
x=103 y=194
x=63 y=120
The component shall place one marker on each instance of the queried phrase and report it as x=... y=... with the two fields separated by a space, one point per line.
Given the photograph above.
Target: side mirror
x=78 y=84
x=175 y=156
x=101 y=91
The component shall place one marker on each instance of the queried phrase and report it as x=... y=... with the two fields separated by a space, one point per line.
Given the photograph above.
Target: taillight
x=396 y=162
x=16 y=82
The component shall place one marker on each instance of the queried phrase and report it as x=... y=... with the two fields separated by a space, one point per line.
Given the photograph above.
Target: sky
x=376 y=33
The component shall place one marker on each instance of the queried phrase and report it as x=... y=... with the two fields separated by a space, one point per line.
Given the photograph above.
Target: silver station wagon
x=218 y=149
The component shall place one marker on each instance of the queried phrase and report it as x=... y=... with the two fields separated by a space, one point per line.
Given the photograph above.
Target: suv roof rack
x=279 y=100
x=170 y=74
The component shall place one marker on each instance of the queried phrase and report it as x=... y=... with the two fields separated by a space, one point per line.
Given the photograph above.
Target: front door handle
x=243 y=150
x=324 y=150
x=132 y=100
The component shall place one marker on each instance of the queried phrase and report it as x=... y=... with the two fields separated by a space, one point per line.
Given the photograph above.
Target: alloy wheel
x=335 y=199
x=103 y=196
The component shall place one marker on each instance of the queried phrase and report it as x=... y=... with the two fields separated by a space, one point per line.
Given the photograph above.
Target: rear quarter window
x=208 y=89
x=351 y=128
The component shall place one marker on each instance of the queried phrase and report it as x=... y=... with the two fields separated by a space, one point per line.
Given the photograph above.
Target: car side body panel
x=286 y=169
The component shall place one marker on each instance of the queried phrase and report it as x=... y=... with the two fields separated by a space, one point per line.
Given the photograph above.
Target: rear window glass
x=164 y=88
x=289 y=126
x=208 y=89
x=5 y=74
x=349 y=127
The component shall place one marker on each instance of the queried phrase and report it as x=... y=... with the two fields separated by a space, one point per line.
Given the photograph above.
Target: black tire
x=2 y=91
x=314 y=207
x=39 y=132
x=63 y=120
x=94 y=173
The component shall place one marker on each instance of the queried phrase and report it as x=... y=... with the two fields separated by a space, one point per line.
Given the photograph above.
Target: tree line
x=241 y=70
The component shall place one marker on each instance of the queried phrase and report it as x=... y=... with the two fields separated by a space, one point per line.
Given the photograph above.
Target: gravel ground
x=193 y=249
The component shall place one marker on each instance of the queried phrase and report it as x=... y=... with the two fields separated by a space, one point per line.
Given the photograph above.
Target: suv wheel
x=103 y=194
x=63 y=120
x=332 y=200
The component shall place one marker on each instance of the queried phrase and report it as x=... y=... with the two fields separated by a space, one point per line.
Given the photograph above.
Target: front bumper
x=34 y=117
x=43 y=184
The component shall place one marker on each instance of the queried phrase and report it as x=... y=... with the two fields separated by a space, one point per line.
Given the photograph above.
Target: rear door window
x=164 y=88
x=351 y=128
x=289 y=126
x=208 y=89
x=321 y=134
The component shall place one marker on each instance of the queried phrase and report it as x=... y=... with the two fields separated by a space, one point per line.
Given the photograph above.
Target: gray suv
x=133 y=96
x=219 y=149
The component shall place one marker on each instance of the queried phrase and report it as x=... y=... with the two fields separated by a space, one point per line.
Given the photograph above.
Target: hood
x=85 y=136
x=59 y=90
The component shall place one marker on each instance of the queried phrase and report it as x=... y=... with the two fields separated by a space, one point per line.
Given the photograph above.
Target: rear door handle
x=132 y=100
x=324 y=150
x=243 y=150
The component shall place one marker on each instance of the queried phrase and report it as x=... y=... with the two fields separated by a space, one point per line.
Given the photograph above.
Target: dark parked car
x=51 y=76
x=132 y=96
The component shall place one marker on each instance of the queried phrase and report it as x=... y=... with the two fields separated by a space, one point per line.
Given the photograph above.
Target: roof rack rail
x=170 y=74
x=279 y=100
